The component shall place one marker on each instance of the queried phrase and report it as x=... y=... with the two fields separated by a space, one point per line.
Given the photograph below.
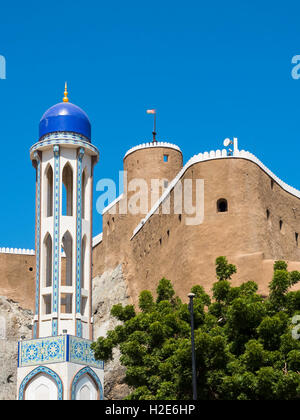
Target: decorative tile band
x=61 y=138
x=82 y=372
x=47 y=371
x=38 y=231
x=79 y=240
x=63 y=348
x=42 y=351
x=55 y=294
x=80 y=352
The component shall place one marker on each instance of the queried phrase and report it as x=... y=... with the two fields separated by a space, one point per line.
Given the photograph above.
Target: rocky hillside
x=108 y=290
x=15 y=323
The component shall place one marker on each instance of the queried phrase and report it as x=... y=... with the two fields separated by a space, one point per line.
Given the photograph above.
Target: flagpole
x=154 y=129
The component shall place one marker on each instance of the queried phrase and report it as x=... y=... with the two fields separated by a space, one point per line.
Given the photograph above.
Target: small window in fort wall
x=281 y=225
x=268 y=214
x=272 y=184
x=166 y=158
x=222 y=205
x=296 y=238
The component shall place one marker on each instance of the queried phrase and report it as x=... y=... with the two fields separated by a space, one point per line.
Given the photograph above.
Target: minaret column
x=58 y=361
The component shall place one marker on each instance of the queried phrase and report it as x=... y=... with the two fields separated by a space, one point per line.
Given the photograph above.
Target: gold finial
x=66 y=99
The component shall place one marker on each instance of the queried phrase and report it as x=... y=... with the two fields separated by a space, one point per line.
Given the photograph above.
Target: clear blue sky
x=211 y=69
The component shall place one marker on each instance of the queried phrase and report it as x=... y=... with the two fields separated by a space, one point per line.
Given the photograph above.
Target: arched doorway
x=85 y=389
x=41 y=387
x=86 y=386
x=41 y=384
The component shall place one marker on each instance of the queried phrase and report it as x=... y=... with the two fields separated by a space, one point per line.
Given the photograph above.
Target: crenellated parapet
x=151 y=145
x=18 y=251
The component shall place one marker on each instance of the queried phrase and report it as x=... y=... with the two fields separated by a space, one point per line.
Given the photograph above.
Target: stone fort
x=249 y=215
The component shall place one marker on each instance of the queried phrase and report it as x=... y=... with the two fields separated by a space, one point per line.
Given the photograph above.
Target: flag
x=151 y=111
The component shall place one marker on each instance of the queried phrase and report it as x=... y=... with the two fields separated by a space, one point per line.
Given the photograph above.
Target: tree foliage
x=244 y=344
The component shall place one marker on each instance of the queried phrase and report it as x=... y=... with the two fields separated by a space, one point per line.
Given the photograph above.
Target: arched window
x=222 y=205
x=83 y=197
x=48 y=260
x=83 y=252
x=67 y=268
x=67 y=193
x=49 y=182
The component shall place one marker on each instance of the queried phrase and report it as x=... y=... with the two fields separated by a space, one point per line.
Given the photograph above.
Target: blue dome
x=65 y=117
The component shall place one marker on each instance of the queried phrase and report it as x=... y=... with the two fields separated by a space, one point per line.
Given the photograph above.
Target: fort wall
x=261 y=225
x=247 y=234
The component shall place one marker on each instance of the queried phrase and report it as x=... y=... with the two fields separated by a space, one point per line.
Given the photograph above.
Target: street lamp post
x=191 y=308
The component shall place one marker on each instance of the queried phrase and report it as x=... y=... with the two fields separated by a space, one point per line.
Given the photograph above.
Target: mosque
x=58 y=362
x=245 y=212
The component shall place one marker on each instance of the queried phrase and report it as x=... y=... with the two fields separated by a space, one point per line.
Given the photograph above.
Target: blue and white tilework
x=78 y=240
x=55 y=294
x=63 y=348
x=42 y=351
x=64 y=138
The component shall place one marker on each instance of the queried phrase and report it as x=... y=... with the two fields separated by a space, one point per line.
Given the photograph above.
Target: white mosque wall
x=45 y=385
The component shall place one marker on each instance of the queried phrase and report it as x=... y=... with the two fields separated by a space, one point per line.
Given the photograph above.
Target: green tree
x=244 y=344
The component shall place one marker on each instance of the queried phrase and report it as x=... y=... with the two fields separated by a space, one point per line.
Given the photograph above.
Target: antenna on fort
x=153 y=111
x=227 y=142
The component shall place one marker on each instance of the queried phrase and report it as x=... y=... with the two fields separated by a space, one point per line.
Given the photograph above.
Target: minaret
x=64 y=158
